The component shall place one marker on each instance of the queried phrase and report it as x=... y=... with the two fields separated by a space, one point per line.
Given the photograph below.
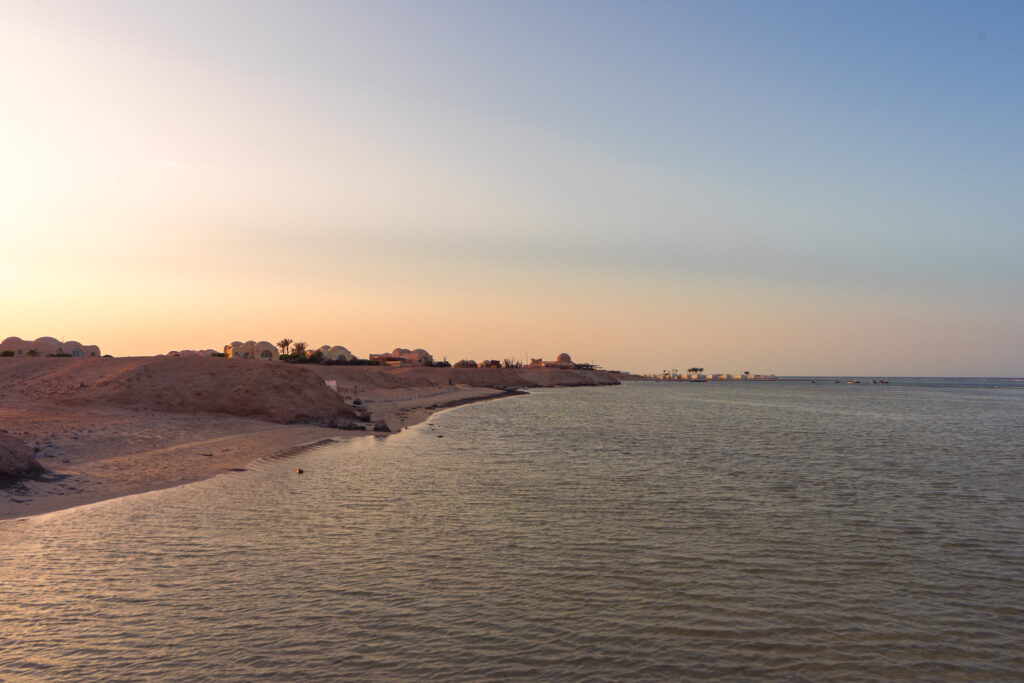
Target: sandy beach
x=108 y=427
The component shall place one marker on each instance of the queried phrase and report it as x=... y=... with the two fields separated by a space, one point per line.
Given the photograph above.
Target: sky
x=798 y=188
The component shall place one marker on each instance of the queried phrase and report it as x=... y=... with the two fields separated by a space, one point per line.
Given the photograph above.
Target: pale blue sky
x=792 y=187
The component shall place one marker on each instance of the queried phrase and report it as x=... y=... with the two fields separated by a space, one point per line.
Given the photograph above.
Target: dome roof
x=564 y=358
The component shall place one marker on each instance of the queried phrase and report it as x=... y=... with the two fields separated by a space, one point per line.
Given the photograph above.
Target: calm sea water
x=643 y=532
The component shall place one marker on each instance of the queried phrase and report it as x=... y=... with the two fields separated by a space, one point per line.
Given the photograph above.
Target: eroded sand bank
x=109 y=427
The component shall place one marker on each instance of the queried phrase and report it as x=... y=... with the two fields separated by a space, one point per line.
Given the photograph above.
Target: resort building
x=191 y=353
x=402 y=356
x=335 y=353
x=563 y=361
x=47 y=346
x=262 y=350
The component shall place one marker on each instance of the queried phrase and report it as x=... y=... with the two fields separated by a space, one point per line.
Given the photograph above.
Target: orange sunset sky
x=643 y=186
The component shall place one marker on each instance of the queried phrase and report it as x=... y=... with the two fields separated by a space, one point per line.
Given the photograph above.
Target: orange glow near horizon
x=169 y=183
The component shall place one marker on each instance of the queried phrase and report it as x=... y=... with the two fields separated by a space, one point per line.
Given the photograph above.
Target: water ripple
x=790 y=532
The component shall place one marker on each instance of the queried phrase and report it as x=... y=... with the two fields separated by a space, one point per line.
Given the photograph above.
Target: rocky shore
x=17 y=459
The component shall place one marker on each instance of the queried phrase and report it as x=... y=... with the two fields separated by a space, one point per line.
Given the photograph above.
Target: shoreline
x=63 y=488
x=109 y=427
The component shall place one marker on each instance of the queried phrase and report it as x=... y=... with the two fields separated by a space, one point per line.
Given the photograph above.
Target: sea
x=663 y=531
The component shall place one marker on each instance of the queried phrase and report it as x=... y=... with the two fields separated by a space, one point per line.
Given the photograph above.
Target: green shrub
x=6 y=354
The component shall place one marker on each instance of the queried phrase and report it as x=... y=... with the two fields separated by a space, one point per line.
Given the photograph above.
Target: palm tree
x=284 y=344
x=299 y=349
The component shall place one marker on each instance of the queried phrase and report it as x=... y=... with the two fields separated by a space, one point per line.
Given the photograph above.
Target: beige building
x=563 y=360
x=402 y=356
x=191 y=353
x=262 y=350
x=336 y=353
x=48 y=346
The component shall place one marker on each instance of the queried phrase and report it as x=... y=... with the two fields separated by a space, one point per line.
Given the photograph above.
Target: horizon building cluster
x=48 y=346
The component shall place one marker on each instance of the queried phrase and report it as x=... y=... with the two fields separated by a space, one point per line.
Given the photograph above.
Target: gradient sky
x=788 y=187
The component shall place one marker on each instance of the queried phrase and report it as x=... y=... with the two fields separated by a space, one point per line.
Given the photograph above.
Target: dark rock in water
x=381 y=426
x=343 y=423
x=17 y=458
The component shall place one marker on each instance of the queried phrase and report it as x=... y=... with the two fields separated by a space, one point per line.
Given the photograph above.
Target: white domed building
x=262 y=350
x=336 y=353
x=563 y=360
x=48 y=346
x=191 y=353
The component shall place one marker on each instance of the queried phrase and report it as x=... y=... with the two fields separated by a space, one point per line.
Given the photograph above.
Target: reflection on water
x=634 y=532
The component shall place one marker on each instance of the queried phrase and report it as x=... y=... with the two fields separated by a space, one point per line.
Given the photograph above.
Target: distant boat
x=699 y=380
